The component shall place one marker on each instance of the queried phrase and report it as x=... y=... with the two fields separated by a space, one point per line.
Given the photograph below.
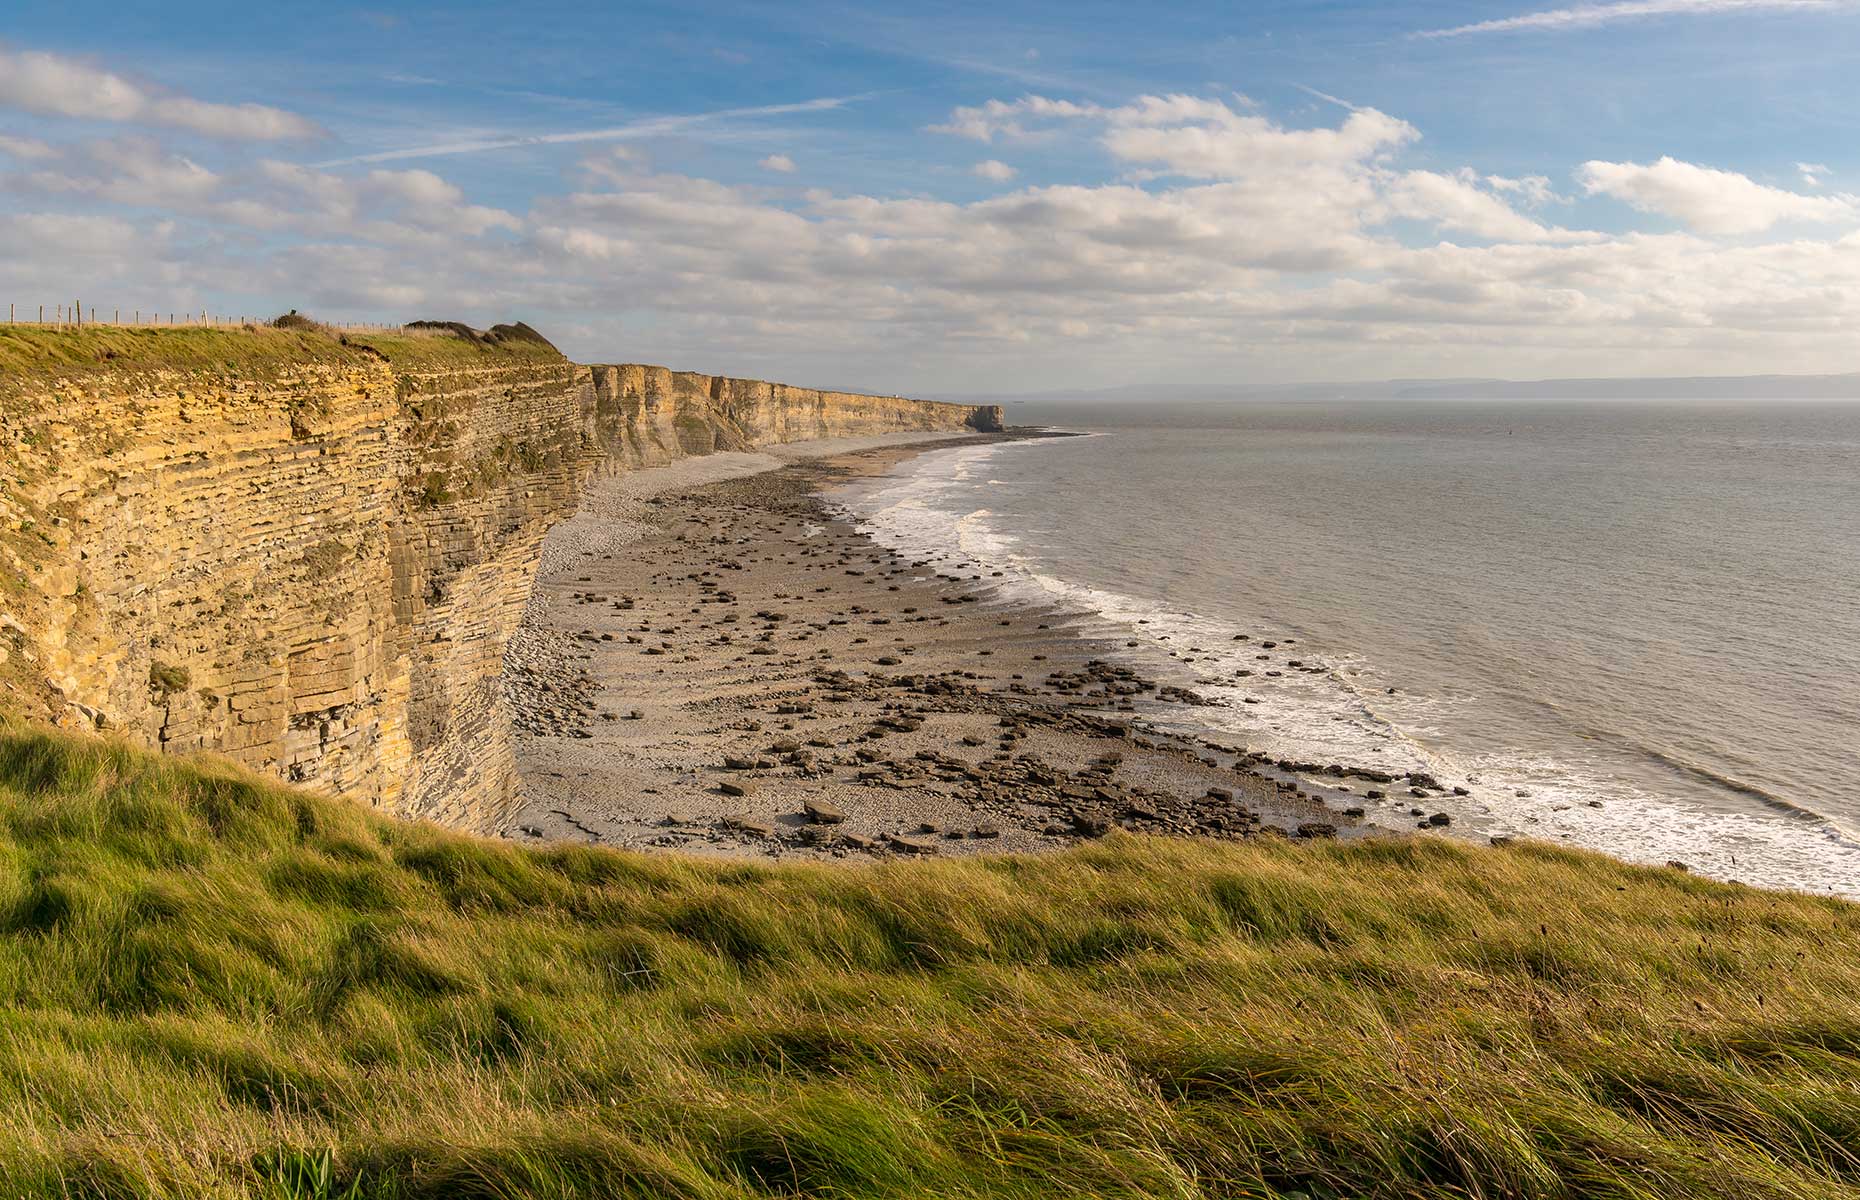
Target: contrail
x=1588 y=16
x=648 y=127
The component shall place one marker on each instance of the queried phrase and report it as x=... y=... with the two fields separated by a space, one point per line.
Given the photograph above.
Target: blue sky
x=997 y=197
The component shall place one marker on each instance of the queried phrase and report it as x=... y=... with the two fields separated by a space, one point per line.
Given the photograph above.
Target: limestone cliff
x=307 y=552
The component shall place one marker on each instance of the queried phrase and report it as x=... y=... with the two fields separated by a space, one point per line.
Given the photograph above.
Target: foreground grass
x=210 y=986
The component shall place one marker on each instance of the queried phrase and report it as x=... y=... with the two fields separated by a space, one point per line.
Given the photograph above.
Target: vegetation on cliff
x=214 y=986
x=31 y=353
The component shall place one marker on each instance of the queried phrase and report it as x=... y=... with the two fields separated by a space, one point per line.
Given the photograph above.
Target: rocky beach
x=715 y=661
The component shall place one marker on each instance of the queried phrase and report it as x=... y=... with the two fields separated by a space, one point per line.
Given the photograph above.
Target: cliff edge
x=307 y=552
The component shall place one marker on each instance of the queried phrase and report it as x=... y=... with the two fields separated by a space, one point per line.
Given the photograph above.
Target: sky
x=949 y=198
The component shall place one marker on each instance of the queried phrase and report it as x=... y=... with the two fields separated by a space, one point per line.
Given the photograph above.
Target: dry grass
x=217 y=987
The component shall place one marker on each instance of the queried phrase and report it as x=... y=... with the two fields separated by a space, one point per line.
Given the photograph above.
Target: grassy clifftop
x=29 y=352
x=214 y=986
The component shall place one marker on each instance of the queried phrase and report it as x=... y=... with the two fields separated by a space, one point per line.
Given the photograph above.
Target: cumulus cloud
x=1533 y=190
x=1590 y=16
x=1219 y=240
x=1206 y=139
x=23 y=148
x=1812 y=173
x=1461 y=202
x=1010 y=118
x=993 y=169
x=1708 y=200
x=56 y=86
x=780 y=163
x=380 y=204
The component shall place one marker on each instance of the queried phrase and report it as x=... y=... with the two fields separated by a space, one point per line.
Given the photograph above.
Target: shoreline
x=717 y=662
x=1484 y=800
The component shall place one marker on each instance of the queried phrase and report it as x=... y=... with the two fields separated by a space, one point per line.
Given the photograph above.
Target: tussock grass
x=212 y=986
x=32 y=353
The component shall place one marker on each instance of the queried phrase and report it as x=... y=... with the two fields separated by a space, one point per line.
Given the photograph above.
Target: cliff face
x=308 y=555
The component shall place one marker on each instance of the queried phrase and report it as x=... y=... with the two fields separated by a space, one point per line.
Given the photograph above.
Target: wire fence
x=77 y=315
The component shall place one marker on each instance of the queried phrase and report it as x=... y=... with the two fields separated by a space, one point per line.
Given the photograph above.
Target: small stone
x=820 y=812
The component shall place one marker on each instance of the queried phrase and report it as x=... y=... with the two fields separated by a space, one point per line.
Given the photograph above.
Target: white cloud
x=1196 y=136
x=993 y=169
x=1458 y=202
x=1218 y=241
x=1205 y=139
x=26 y=148
x=777 y=162
x=1533 y=190
x=382 y=204
x=1009 y=118
x=137 y=171
x=1813 y=174
x=1589 y=16
x=1708 y=200
x=56 y=86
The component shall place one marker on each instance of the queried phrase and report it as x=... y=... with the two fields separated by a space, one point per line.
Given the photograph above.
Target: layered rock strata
x=308 y=553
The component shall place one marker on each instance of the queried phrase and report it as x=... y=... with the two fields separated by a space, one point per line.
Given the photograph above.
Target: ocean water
x=1632 y=626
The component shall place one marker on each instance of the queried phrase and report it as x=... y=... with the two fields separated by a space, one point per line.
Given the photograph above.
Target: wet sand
x=713 y=662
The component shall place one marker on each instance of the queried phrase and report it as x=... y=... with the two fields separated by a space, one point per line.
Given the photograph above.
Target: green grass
x=213 y=986
x=29 y=352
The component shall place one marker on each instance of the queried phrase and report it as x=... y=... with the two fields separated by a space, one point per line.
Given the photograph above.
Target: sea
x=1632 y=626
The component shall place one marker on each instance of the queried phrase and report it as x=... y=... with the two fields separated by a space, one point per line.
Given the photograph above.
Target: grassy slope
x=28 y=352
x=203 y=975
